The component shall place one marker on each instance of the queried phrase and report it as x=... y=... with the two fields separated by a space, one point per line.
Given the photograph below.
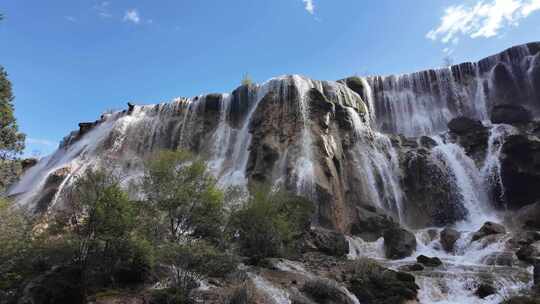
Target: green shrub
x=193 y=261
x=181 y=188
x=270 y=224
x=246 y=80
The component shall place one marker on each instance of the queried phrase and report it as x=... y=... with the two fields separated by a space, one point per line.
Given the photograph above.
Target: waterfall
x=380 y=166
x=305 y=164
x=491 y=170
x=221 y=137
x=423 y=103
x=467 y=178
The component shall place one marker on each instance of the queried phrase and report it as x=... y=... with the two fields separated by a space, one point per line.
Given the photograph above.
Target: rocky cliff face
x=335 y=142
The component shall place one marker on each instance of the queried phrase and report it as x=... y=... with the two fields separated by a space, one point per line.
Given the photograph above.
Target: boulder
x=429 y=261
x=327 y=241
x=372 y=283
x=489 y=228
x=371 y=223
x=462 y=125
x=427 y=142
x=398 y=243
x=510 y=114
x=414 y=267
x=326 y=291
x=449 y=238
x=485 y=290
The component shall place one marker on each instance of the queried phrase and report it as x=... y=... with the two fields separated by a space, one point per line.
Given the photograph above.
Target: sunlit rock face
x=334 y=142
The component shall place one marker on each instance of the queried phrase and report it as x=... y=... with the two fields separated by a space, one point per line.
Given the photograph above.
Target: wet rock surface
x=463 y=125
x=529 y=254
x=431 y=200
x=510 y=114
x=528 y=217
x=484 y=290
x=371 y=223
x=520 y=170
x=448 y=238
x=489 y=228
x=429 y=261
x=327 y=241
x=398 y=243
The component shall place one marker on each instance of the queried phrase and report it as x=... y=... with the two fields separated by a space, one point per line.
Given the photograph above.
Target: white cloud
x=41 y=142
x=70 y=18
x=309 y=6
x=132 y=15
x=485 y=19
x=102 y=9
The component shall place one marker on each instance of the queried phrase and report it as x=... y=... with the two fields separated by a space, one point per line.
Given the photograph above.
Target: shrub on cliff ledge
x=270 y=224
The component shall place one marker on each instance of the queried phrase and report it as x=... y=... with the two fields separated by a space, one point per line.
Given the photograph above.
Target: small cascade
x=491 y=170
x=468 y=181
x=368 y=95
x=359 y=248
x=276 y=295
x=305 y=164
x=380 y=166
x=221 y=137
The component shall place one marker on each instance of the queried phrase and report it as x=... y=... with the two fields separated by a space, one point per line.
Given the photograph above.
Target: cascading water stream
x=468 y=181
x=380 y=165
x=491 y=170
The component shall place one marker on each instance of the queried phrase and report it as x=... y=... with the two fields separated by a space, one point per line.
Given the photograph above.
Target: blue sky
x=70 y=60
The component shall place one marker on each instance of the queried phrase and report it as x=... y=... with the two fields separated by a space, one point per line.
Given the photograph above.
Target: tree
x=15 y=236
x=11 y=140
x=102 y=225
x=180 y=186
x=270 y=223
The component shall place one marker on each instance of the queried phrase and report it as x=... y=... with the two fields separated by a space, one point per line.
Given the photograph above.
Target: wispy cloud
x=41 y=142
x=484 y=19
x=309 y=6
x=103 y=9
x=132 y=15
x=71 y=18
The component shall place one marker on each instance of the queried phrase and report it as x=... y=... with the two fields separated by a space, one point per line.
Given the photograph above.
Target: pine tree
x=11 y=140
